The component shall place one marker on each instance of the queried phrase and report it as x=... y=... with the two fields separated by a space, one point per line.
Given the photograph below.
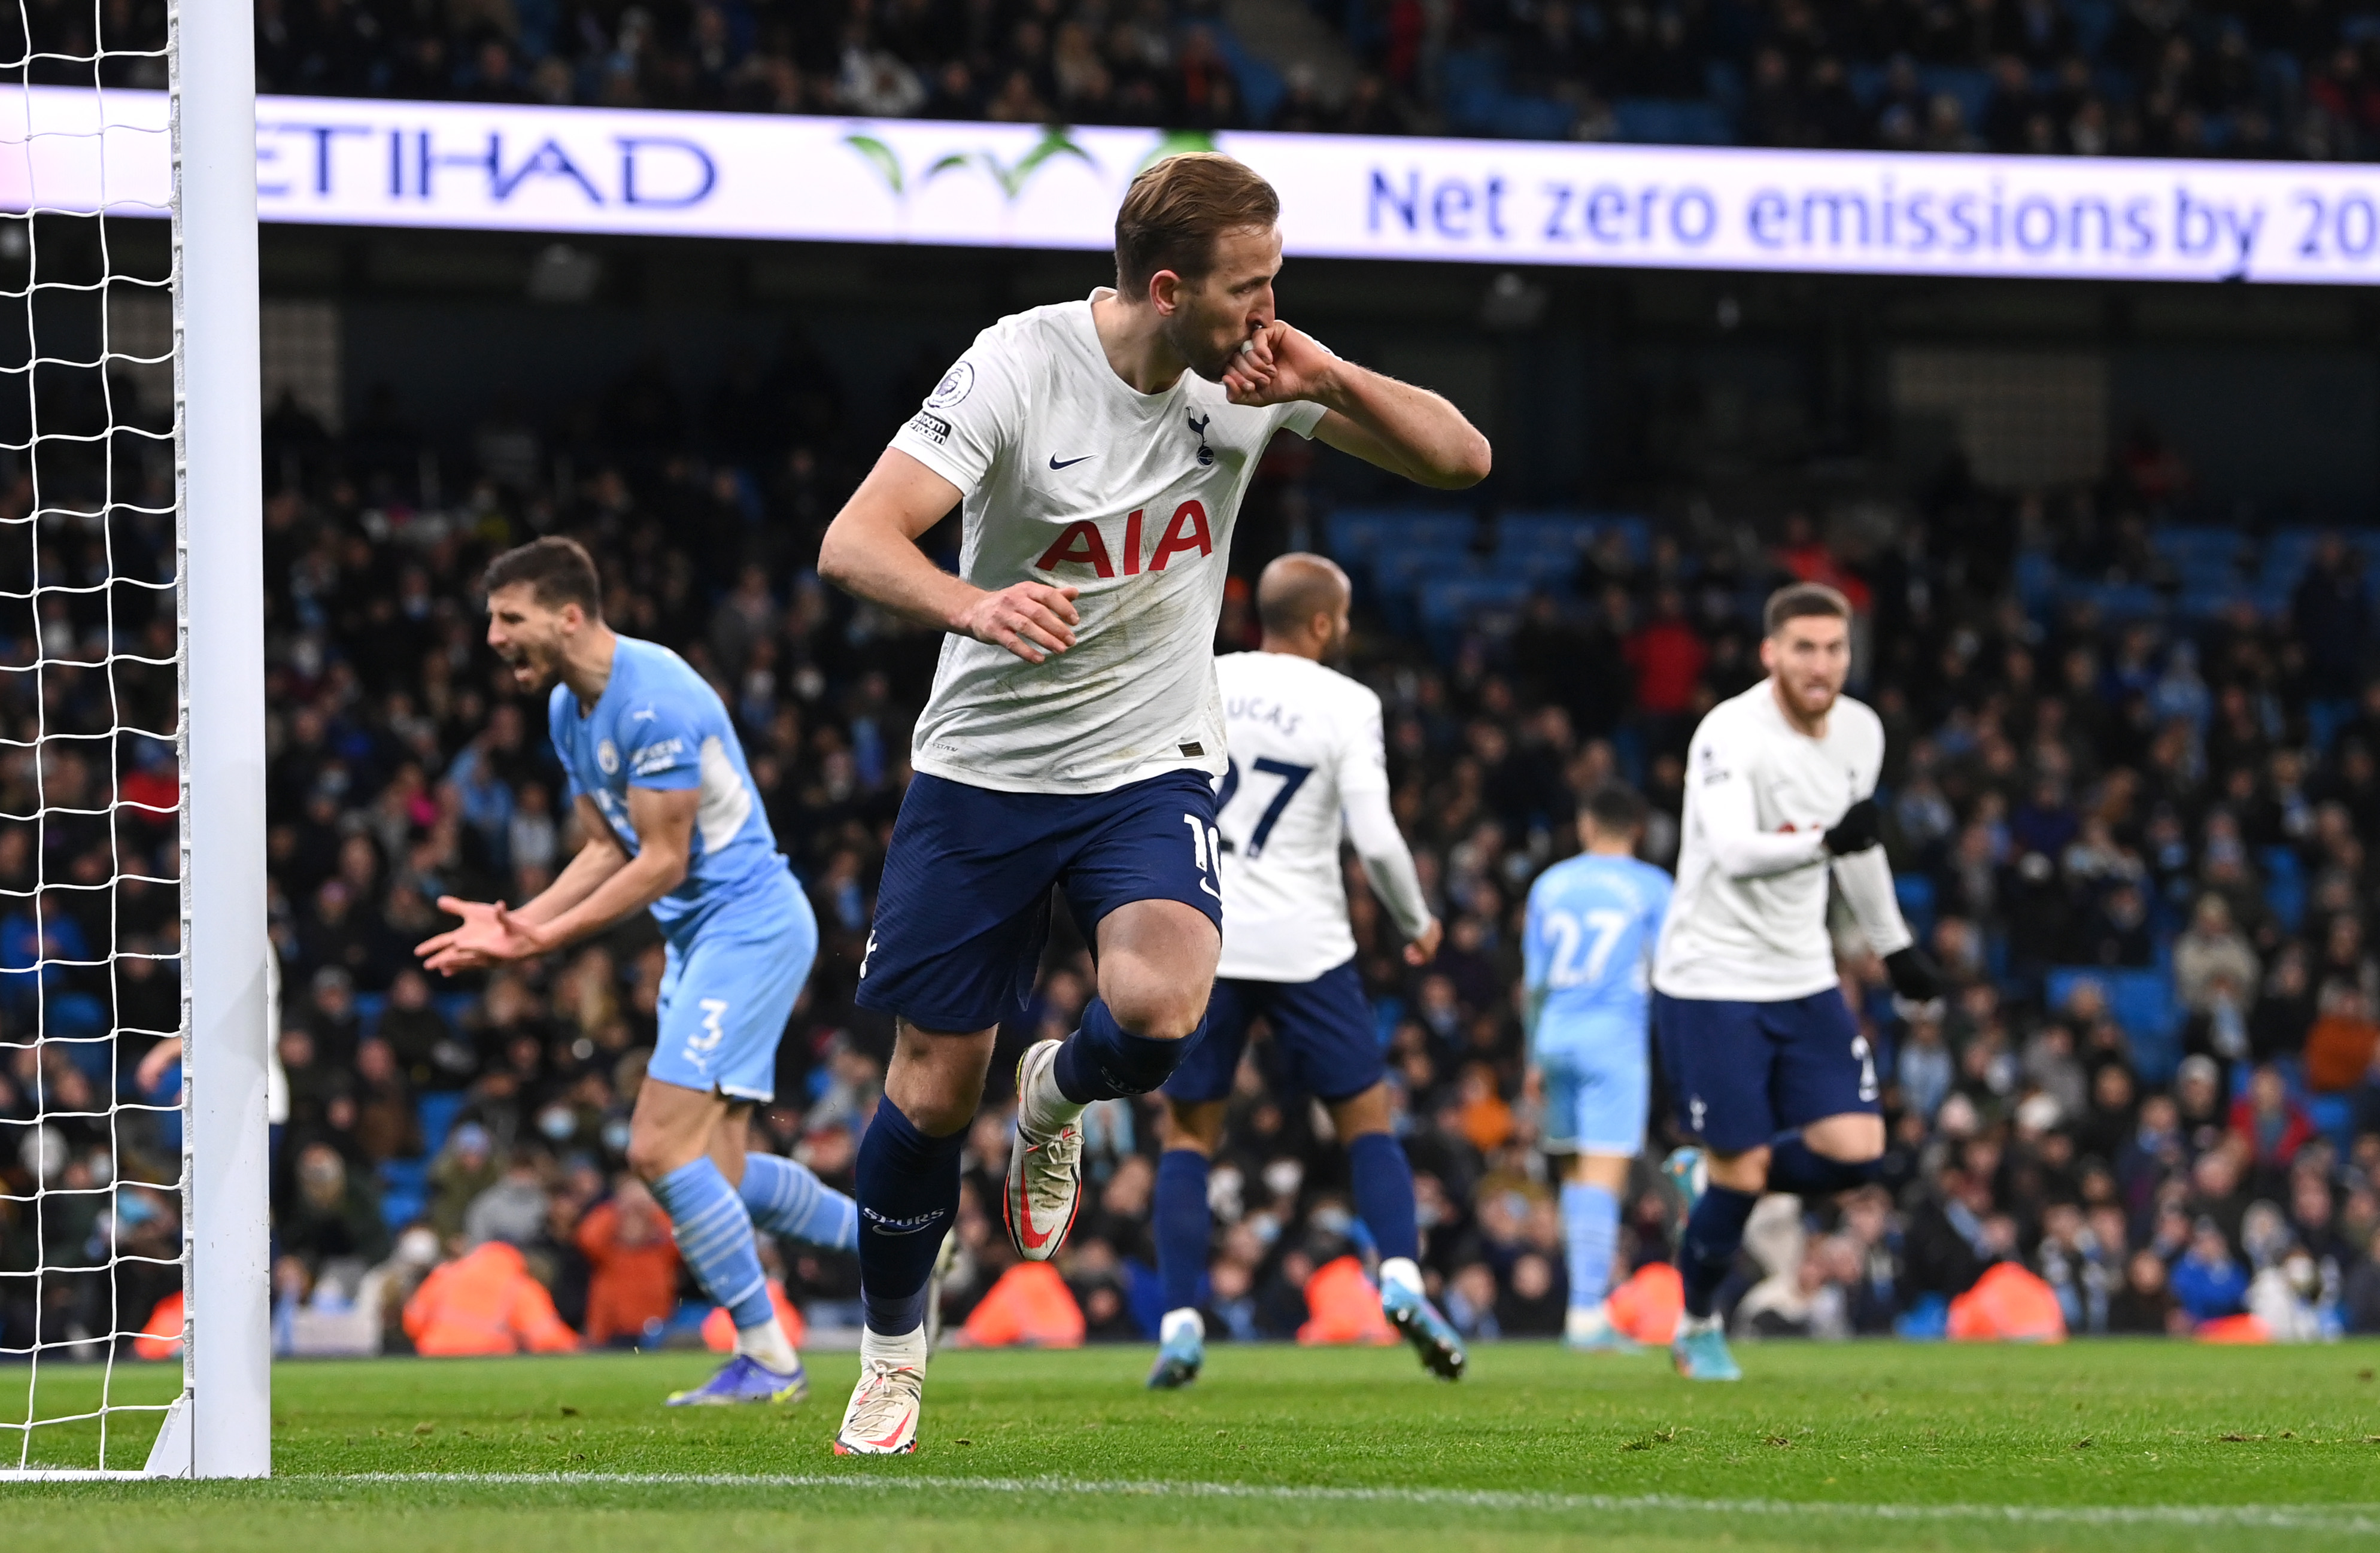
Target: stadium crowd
x=2145 y=850
x=2290 y=78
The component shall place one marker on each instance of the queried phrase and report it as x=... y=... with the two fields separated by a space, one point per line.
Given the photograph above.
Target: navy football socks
x=1384 y=1194
x=1182 y=1224
x=1795 y=1167
x=1713 y=1235
x=1102 y=1061
x=908 y=1194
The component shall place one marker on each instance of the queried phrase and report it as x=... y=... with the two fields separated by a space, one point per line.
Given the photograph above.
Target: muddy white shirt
x=1072 y=477
x=1748 y=920
x=1306 y=768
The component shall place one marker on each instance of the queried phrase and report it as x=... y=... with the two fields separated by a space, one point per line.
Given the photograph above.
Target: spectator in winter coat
x=2208 y=1280
x=485 y=1303
x=2270 y=1126
x=634 y=1283
x=2212 y=950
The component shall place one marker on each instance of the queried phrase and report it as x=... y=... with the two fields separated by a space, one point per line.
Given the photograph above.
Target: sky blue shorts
x=728 y=991
x=1597 y=1093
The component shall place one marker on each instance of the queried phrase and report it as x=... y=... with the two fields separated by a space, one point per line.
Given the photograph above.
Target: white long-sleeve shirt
x=1306 y=767
x=1748 y=922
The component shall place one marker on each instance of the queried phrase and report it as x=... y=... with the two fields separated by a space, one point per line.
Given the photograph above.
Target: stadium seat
x=2285 y=884
x=1916 y=892
x=2141 y=1004
x=2334 y=1118
x=438 y=1111
x=1672 y=121
x=404 y=1192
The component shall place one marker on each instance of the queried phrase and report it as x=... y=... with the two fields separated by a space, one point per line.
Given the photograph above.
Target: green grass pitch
x=2151 y=1445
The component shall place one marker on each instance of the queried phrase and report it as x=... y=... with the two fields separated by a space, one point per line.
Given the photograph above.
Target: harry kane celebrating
x=1764 y=1058
x=1306 y=763
x=1100 y=449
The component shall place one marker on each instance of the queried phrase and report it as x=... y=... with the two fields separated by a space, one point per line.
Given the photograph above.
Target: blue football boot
x=745 y=1379
x=1687 y=1171
x=1179 y=1358
x=1433 y=1337
x=1699 y=1349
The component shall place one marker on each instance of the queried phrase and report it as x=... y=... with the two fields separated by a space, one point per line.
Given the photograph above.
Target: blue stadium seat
x=1637 y=531
x=1916 y=892
x=2036 y=579
x=1972 y=88
x=1261 y=87
x=2334 y=1118
x=1665 y=121
x=2285 y=885
x=437 y=1112
x=1532 y=118
x=2141 y=1004
x=1542 y=533
x=1470 y=83
x=404 y=1192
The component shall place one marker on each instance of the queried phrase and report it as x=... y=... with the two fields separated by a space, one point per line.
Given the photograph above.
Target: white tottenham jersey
x=1304 y=739
x=1748 y=920
x=1072 y=477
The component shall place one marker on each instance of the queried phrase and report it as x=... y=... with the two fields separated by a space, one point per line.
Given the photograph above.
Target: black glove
x=1856 y=831
x=1914 y=975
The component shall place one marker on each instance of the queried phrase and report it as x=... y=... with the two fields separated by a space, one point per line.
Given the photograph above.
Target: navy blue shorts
x=963 y=911
x=1740 y=1074
x=1321 y=1031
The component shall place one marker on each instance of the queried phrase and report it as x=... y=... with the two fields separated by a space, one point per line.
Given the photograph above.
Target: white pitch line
x=2354 y=1518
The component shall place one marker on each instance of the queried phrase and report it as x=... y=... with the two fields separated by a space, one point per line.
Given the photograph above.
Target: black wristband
x=1915 y=975
x=1856 y=831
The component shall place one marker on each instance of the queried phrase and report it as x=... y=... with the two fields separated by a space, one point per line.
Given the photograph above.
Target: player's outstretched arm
x=492 y=933
x=597 y=860
x=1395 y=426
x=1865 y=878
x=664 y=820
x=870 y=552
x=602 y=885
x=1372 y=827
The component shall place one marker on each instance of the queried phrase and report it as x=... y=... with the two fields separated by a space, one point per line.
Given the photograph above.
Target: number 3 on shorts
x=1206 y=848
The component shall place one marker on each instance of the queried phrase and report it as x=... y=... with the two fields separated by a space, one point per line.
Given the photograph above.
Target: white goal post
x=226 y=1413
x=220 y=1425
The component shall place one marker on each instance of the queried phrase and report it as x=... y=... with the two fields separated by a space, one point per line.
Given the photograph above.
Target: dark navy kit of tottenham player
x=675 y=826
x=1307 y=768
x=1763 y=1059
x=1099 y=450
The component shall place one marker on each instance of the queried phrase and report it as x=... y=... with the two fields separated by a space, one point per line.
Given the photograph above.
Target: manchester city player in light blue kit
x=672 y=825
x=1593 y=922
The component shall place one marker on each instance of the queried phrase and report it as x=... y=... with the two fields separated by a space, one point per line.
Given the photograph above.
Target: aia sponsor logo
x=1082 y=544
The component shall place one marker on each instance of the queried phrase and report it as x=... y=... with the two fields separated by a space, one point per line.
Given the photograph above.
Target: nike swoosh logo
x=1033 y=1241
x=1069 y=463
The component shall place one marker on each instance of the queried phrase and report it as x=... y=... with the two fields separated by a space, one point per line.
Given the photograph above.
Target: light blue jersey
x=660 y=725
x=1588 y=954
x=1587 y=958
x=740 y=932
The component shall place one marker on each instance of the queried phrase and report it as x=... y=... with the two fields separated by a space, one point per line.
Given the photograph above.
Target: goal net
x=132 y=972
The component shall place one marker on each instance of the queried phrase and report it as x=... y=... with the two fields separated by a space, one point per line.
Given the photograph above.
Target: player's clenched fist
x=1030 y=619
x=1278 y=366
